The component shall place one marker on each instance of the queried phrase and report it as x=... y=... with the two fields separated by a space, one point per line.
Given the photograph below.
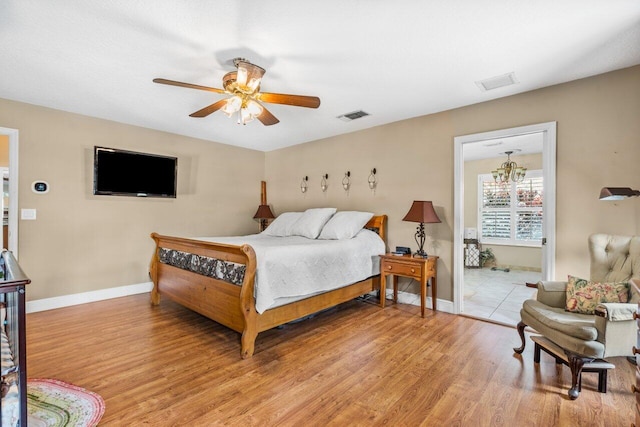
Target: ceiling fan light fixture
x=254 y=108
x=249 y=75
x=249 y=111
x=245 y=117
x=243 y=87
x=232 y=106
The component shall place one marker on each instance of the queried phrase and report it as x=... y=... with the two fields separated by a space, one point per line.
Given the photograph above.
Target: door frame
x=12 y=244
x=548 y=130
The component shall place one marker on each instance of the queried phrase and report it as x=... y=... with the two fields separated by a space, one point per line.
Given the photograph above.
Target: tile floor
x=497 y=295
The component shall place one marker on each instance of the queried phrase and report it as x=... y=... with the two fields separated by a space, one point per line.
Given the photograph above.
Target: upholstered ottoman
x=600 y=366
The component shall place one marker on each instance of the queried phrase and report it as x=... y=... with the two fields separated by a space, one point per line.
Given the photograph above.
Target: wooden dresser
x=13 y=378
x=636 y=351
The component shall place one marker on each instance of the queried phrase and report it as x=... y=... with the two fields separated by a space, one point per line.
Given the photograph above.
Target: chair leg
x=576 y=362
x=521 y=326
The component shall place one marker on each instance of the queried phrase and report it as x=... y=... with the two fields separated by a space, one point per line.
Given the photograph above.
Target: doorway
x=9 y=165
x=485 y=151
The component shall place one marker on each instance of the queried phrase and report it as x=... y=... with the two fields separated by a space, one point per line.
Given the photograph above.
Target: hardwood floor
x=352 y=365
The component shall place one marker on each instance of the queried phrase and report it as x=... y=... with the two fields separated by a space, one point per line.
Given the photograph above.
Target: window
x=511 y=214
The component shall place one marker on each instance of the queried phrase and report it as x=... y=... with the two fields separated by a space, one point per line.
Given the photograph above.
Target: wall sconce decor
x=346 y=181
x=617 y=193
x=303 y=184
x=421 y=212
x=372 y=179
x=323 y=182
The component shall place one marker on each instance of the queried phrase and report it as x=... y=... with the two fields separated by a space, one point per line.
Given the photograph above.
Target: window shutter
x=495 y=195
x=530 y=196
x=511 y=213
x=496 y=224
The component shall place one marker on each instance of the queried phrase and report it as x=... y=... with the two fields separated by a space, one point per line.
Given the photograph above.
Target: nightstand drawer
x=402 y=269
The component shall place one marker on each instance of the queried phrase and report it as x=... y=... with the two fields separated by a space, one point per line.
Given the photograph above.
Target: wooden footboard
x=230 y=304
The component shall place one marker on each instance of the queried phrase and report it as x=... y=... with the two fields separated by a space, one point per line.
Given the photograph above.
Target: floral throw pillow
x=583 y=295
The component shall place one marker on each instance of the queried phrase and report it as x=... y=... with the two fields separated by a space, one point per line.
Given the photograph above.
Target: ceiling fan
x=244 y=87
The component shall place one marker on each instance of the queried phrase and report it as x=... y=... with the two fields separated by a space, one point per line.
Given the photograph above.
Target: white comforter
x=294 y=267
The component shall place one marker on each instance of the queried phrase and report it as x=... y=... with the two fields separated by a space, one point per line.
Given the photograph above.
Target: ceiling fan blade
x=267 y=118
x=188 y=85
x=209 y=109
x=295 y=100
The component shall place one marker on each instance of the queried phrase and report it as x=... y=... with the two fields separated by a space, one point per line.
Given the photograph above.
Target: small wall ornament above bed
x=303 y=184
x=372 y=181
x=346 y=181
x=323 y=182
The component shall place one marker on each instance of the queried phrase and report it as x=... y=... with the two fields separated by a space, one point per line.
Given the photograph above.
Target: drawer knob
x=635 y=350
x=413 y=270
x=634 y=389
x=388 y=267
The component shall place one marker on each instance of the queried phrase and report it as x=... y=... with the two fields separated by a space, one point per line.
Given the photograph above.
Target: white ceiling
x=393 y=59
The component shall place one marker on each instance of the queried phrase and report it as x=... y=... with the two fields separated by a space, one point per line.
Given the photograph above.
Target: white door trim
x=548 y=130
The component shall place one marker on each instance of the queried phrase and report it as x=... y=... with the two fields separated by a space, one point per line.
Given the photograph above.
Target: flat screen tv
x=128 y=173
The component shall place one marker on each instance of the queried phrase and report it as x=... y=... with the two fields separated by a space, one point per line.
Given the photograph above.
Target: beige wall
x=4 y=151
x=506 y=256
x=81 y=242
x=597 y=145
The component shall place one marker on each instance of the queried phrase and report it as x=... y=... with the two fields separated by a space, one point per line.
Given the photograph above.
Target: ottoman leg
x=602 y=381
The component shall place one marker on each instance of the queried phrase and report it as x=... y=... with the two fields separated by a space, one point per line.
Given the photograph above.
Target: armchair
x=584 y=337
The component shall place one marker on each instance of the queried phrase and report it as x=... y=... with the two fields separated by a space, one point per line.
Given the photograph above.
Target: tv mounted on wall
x=128 y=173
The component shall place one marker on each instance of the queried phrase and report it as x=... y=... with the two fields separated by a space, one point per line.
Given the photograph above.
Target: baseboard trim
x=86 y=297
x=414 y=299
x=141 y=288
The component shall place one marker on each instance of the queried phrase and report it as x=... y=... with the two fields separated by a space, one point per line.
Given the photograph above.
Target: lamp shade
x=617 y=193
x=264 y=212
x=421 y=211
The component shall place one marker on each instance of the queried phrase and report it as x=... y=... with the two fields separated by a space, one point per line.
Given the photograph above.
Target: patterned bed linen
x=290 y=268
x=218 y=269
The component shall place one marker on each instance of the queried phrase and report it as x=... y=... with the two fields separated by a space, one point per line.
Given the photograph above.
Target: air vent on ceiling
x=492 y=143
x=352 y=116
x=496 y=82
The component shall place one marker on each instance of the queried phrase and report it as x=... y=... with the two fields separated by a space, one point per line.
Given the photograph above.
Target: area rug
x=53 y=403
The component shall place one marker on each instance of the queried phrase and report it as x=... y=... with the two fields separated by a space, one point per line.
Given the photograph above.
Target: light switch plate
x=28 y=214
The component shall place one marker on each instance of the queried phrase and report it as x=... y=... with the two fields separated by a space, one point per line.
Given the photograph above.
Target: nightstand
x=421 y=269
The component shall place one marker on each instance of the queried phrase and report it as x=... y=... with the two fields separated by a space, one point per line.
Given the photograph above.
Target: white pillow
x=281 y=226
x=345 y=225
x=311 y=222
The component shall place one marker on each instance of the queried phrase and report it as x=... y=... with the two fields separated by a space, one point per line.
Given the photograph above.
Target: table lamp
x=422 y=212
x=263 y=214
x=617 y=193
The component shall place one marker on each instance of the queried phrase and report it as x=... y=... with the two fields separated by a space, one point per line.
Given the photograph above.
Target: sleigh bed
x=218 y=279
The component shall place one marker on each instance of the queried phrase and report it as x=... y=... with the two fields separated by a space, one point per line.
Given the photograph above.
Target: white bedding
x=297 y=267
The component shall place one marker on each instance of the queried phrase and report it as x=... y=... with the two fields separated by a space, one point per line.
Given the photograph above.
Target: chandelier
x=509 y=171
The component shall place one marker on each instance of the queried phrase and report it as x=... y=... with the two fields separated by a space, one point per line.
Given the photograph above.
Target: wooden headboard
x=379 y=223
